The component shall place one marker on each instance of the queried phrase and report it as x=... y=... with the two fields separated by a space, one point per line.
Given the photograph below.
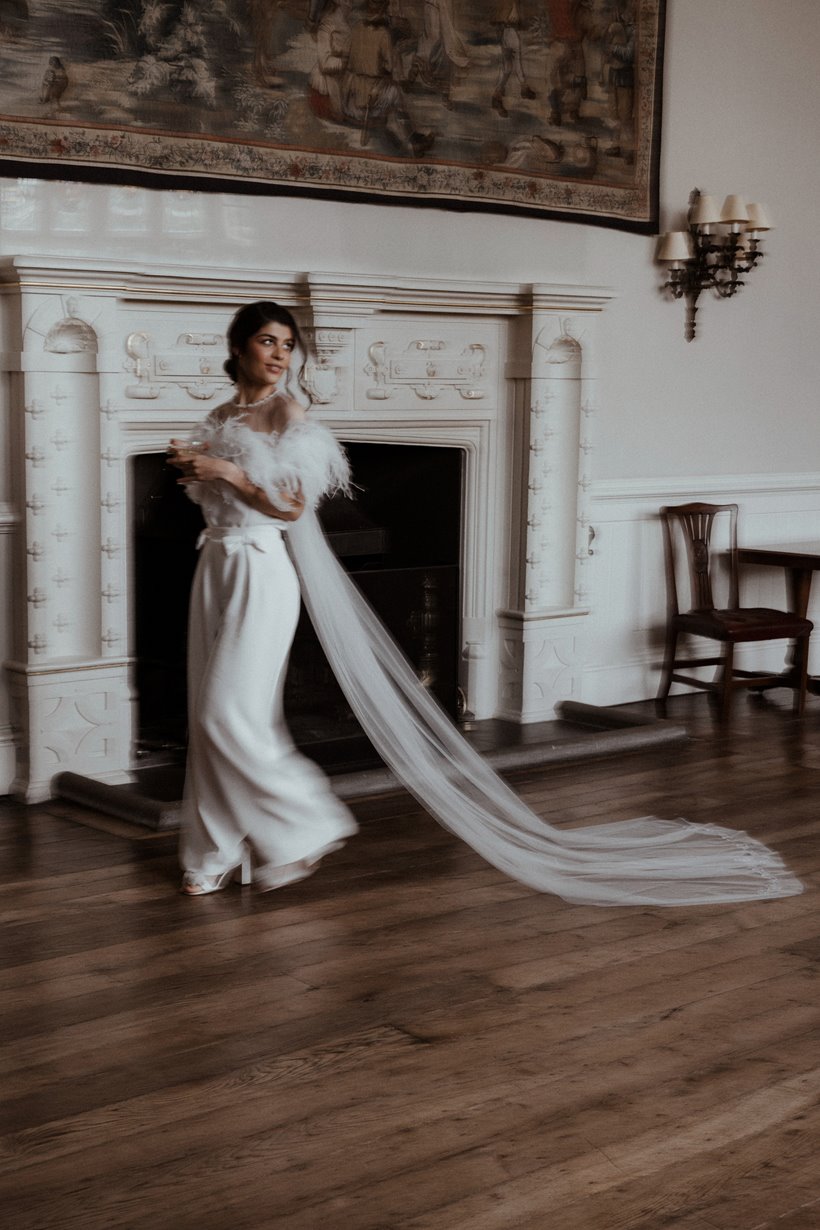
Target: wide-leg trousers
x=247 y=787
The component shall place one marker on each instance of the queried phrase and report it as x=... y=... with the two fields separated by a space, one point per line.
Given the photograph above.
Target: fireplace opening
x=398 y=538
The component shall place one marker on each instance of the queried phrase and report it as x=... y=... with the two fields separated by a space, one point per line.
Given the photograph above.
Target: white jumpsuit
x=247 y=788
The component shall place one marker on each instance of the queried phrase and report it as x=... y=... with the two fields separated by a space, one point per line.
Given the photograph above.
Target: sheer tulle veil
x=645 y=861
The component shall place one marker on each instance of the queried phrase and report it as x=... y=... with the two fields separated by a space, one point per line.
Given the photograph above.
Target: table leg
x=798 y=585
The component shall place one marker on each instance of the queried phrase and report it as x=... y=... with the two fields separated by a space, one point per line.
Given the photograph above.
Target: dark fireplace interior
x=399 y=539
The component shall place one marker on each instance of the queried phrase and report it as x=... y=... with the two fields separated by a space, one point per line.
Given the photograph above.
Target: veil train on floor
x=645 y=861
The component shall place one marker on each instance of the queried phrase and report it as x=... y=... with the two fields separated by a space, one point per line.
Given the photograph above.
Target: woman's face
x=266 y=356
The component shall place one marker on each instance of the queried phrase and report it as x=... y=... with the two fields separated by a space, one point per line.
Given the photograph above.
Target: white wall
x=741 y=101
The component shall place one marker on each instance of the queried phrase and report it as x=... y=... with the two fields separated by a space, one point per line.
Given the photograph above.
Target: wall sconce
x=703 y=258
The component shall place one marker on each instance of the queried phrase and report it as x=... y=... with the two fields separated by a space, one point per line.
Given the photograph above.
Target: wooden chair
x=688 y=537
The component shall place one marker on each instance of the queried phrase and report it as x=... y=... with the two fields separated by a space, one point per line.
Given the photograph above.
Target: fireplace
x=399 y=538
x=107 y=360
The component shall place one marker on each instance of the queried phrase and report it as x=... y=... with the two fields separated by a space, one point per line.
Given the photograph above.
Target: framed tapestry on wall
x=539 y=106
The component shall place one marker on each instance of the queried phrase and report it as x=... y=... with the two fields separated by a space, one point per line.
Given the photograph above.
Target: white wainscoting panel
x=629 y=595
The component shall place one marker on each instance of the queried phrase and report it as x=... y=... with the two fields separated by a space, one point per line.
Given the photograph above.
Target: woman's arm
x=198 y=467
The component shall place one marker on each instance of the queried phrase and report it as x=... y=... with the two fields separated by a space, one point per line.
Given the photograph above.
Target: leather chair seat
x=753 y=623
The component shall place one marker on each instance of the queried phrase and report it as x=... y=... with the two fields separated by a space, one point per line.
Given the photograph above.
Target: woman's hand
x=198 y=467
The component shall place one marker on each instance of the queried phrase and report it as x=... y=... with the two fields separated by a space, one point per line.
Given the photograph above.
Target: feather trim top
x=303 y=459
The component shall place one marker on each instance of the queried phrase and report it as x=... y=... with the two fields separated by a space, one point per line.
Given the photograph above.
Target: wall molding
x=629 y=592
x=333 y=294
x=702 y=486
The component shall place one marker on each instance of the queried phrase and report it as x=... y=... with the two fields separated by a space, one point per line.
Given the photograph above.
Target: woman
x=262 y=468
x=256 y=463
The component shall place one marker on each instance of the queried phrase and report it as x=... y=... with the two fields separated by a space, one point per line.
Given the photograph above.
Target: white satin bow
x=231 y=538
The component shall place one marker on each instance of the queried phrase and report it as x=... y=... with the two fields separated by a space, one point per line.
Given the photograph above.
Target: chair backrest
x=692 y=524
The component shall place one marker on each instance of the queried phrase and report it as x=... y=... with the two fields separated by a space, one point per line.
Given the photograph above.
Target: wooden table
x=799 y=561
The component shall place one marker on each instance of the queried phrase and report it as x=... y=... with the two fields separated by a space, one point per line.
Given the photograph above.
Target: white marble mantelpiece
x=103 y=361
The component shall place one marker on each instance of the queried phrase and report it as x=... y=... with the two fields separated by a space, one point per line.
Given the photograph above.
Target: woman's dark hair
x=247 y=322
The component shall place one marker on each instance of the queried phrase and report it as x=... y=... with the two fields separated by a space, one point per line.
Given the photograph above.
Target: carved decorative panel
x=427 y=368
x=193 y=364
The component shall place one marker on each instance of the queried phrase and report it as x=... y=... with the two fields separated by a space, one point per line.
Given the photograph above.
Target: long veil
x=645 y=861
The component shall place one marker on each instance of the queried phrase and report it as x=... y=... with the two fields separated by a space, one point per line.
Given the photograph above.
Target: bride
x=257 y=462
x=258 y=465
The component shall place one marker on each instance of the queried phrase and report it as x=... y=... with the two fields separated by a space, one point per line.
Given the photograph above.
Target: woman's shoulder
x=290 y=411
x=304 y=429
x=294 y=451
x=279 y=415
x=220 y=414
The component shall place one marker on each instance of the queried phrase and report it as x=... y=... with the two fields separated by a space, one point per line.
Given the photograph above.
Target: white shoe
x=272 y=876
x=197 y=884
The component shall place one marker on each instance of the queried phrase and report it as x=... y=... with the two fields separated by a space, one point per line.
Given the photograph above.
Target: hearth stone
x=583 y=732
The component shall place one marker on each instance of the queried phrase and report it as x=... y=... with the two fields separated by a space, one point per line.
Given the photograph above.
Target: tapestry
x=543 y=106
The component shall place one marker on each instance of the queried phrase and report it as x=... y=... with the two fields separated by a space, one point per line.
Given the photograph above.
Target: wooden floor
x=410 y=1040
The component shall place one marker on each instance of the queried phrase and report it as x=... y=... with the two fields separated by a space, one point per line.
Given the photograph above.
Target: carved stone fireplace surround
x=106 y=360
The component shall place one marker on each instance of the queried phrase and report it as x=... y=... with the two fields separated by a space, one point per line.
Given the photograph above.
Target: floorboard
x=409 y=1040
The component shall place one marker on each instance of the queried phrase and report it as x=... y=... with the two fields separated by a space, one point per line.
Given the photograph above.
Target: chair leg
x=666 y=670
x=726 y=680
